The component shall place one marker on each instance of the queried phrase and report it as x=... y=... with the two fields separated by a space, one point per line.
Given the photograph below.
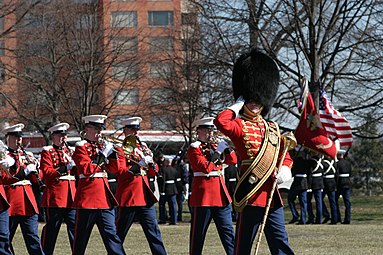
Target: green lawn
x=363 y=236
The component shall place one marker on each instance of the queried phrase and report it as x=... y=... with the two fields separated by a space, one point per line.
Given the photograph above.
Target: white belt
x=211 y=174
x=151 y=179
x=67 y=178
x=301 y=175
x=112 y=180
x=95 y=175
x=170 y=182
x=317 y=175
x=162 y=194
x=344 y=175
x=178 y=179
x=232 y=179
x=22 y=183
x=331 y=176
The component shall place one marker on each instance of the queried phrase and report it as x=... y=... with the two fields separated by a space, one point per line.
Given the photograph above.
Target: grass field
x=363 y=236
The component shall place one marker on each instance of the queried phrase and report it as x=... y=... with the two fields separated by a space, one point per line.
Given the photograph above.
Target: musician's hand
x=31 y=168
x=7 y=162
x=148 y=159
x=283 y=175
x=222 y=146
x=237 y=106
x=70 y=165
x=135 y=169
x=62 y=170
x=107 y=150
x=142 y=162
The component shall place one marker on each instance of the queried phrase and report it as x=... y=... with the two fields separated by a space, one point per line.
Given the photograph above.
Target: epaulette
x=47 y=148
x=196 y=144
x=81 y=143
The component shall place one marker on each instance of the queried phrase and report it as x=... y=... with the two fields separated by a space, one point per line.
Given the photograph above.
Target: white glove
x=222 y=145
x=70 y=165
x=107 y=150
x=237 y=106
x=31 y=168
x=145 y=161
x=7 y=162
x=283 y=175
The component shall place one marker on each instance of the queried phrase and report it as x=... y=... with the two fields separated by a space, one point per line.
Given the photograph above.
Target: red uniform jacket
x=134 y=189
x=59 y=192
x=20 y=197
x=237 y=129
x=208 y=191
x=92 y=193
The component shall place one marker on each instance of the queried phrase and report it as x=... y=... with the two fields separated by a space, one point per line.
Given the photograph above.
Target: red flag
x=310 y=132
x=334 y=122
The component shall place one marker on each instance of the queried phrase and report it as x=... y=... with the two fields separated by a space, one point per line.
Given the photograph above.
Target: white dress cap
x=204 y=123
x=59 y=128
x=132 y=122
x=96 y=120
x=15 y=130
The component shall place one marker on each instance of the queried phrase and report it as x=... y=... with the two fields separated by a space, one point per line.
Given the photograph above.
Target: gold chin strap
x=249 y=115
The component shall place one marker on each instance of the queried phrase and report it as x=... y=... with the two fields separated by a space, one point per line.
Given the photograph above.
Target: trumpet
x=3 y=156
x=128 y=144
x=217 y=137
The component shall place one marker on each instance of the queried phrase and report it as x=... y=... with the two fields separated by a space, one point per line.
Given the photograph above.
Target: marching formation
x=108 y=182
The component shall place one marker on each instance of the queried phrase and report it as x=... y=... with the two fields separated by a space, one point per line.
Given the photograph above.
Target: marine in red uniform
x=94 y=200
x=57 y=167
x=255 y=84
x=5 y=162
x=133 y=194
x=209 y=198
x=18 y=188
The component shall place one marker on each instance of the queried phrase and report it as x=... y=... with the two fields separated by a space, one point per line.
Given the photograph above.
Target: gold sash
x=260 y=168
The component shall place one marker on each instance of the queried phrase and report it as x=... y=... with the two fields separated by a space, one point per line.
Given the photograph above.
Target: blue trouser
x=180 y=200
x=346 y=193
x=201 y=219
x=29 y=229
x=148 y=221
x=302 y=197
x=54 y=218
x=248 y=223
x=333 y=208
x=317 y=193
x=105 y=221
x=4 y=233
x=171 y=199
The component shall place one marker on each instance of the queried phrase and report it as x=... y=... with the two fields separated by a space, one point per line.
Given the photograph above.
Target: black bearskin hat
x=256 y=78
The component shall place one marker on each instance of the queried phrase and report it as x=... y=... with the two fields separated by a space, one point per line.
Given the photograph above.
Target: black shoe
x=310 y=222
x=293 y=220
x=162 y=222
x=345 y=222
x=325 y=220
x=301 y=223
x=172 y=223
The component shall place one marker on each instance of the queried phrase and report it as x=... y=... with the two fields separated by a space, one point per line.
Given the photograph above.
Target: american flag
x=334 y=122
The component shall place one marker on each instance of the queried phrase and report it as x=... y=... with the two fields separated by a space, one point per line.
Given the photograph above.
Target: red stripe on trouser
x=237 y=234
x=192 y=231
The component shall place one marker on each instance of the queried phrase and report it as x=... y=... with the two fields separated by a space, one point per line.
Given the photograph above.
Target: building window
x=160 y=95
x=124 y=44
x=124 y=19
x=160 y=18
x=161 y=44
x=2 y=73
x=125 y=71
x=86 y=21
x=2 y=48
x=3 y=100
x=126 y=96
x=162 y=122
x=161 y=70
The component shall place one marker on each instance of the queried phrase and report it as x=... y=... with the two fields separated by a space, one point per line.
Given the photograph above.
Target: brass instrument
x=128 y=144
x=41 y=184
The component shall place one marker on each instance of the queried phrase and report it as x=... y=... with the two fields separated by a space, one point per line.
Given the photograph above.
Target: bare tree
x=70 y=64
x=336 y=44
